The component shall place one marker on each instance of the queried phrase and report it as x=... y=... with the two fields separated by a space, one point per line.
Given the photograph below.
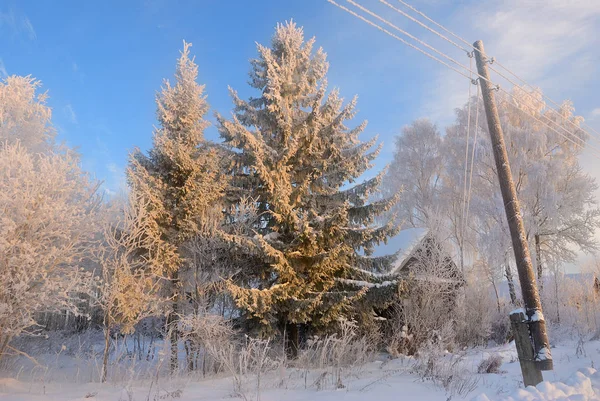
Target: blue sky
x=103 y=61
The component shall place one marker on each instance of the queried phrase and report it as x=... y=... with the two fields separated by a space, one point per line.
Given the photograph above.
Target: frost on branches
x=556 y=197
x=47 y=229
x=24 y=116
x=128 y=290
x=179 y=180
x=293 y=153
x=48 y=215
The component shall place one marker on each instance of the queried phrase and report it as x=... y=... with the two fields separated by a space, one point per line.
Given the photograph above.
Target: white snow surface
x=584 y=385
x=70 y=378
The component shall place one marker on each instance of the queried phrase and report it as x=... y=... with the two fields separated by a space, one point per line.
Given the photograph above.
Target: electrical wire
x=523 y=82
x=463 y=215
x=398 y=38
x=473 y=154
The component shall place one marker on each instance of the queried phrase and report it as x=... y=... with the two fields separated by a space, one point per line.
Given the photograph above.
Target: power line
x=441 y=27
x=424 y=25
x=473 y=155
x=597 y=151
x=398 y=38
x=407 y=43
x=448 y=57
x=463 y=215
x=525 y=83
x=549 y=108
x=493 y=61
x=408 y=34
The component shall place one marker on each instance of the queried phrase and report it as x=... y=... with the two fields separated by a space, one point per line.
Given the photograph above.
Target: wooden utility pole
x=542 y=358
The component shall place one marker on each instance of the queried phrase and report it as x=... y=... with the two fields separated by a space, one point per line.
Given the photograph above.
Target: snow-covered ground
x=574 y=378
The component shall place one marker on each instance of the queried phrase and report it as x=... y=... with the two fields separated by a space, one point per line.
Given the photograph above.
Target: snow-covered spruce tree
x=295 y=156
x=179 y=180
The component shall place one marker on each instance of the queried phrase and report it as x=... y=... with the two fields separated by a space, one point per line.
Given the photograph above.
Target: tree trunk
x=106 y=352
x=462 y=256
x=511 y=284
x=538 y=260
x=293 y=340
x=189 y=353
x=5 y=342
x=556 y=297
x=497 y=296
x=173 y=322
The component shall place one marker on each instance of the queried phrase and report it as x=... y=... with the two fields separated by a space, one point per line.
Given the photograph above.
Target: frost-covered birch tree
x=48 y=215
x=416 y=173
x=293 y=153
x=179 y=180
x=47 y=227
x=24 y=115
x=556 y=196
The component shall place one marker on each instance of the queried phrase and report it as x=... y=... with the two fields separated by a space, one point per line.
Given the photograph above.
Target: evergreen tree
x=179 y=180
x=293 y=154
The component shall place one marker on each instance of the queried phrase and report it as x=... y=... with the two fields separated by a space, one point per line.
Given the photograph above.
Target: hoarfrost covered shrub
x=336 y=353
x=245 y=360
x=128 y=290
x=445 y=370
x=491 y=364
x=479 y=316
x=47 y=229
x=428 y=311
x=206 y=336
x=571 y=303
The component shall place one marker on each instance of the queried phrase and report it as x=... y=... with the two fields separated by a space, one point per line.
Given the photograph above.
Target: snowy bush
x=491 y=364
x=571 y=304
x=46 y=233
x=480 y=319
x=246 y=361
x=205 y=337
x=428 y=311
x=335 y=353
x=445 y=370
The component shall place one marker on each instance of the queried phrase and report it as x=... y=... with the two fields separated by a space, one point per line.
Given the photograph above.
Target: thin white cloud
x=116 y=182
x=68 y=109
x=551 y=44
x=3 y=72
x=9 y=20
x=112 y=167
x=17 y=24
x=28 y=27
x=594 y=113
x=75 y=67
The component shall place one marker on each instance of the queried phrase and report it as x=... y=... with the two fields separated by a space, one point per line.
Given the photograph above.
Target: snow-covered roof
x=418 y=235
x=405 y=244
